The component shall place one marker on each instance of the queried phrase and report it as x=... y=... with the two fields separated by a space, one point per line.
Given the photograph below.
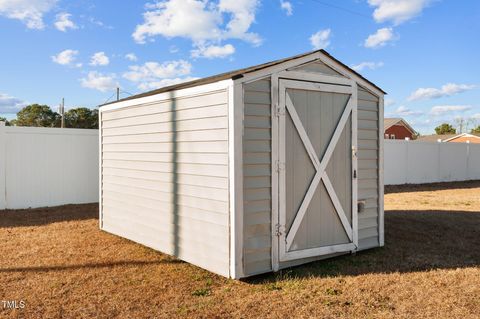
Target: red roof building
x=398 y=129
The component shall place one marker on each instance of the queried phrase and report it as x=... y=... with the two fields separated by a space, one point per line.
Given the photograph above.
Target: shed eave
x=164 y=96
x=240 y=74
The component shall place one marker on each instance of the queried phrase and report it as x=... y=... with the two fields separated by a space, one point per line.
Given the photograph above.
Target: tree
x=4 y=119
x=445 y=128
x=81 y=117
x=38 y=116
x=476 y=130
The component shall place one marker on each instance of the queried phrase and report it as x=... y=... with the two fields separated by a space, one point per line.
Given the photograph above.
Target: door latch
x=354 y=173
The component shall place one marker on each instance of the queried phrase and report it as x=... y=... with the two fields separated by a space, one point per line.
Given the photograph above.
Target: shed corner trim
x=235 y=180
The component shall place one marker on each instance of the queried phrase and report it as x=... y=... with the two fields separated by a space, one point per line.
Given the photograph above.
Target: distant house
x=451 y=138
x=398 y=129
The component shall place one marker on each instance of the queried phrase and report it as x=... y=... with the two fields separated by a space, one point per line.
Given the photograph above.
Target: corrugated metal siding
x=257 y=177
x=368 y=168
x=165 y=177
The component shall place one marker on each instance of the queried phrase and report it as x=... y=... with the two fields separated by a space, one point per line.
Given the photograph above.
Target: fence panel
x=47 y=166
x=411 y=162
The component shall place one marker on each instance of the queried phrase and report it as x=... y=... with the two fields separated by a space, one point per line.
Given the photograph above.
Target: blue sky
x=424 y=53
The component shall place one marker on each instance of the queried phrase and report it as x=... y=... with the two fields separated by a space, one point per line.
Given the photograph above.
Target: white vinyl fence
x=412 y=162
x=47 y=166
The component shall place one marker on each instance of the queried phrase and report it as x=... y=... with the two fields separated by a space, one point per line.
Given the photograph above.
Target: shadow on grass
x=415 y=241
x=409 y=188
x=125 y=263
x=47 y=215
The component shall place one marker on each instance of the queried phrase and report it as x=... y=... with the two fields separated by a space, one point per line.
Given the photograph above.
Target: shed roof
x=237 y=74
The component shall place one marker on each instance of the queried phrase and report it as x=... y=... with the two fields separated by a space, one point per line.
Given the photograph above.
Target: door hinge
x=279 y=166
x=279 y=111
x=279 y=229
x=354 y=173
x=354 y=152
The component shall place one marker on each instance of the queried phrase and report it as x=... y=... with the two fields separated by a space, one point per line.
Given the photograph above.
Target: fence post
x=3 y=149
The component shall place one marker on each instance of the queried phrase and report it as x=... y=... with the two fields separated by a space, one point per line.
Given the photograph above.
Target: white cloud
x=156 y=70
x=199 y=20
x=448 y=89
x=179 y=18
x=213 y=51
x=66 y=57
x=131 y=57
x=63 y=22
x=405 y=111
x=99 y=23
x=443 y=109
x=379 y=38
x=476 y=116
x=10 y=104
x=99 y=58
x=397 y=11
x=389 y=102
x=287 y=6
x=29 y=12
x=163 y=83
x=321 y=39
x=242 y=13
x=367 y=65
x=99 y=81
x=155 y=75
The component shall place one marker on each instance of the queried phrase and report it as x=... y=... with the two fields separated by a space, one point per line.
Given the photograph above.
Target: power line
x=123 y=91
x=115 y=93
x=109 y=98
x=341 y=8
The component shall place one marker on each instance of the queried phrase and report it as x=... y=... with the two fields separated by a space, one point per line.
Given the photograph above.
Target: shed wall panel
x=257 y=174
x=367 y=168
x=165 y=177
x=317 y=67
x=257 y=177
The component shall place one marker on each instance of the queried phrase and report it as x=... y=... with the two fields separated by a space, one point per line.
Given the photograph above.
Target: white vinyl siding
x=368 y=168
x=317 y=67
x=165 y=177
x=257 y=177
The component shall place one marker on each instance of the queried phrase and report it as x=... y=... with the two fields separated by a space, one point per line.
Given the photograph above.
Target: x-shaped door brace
x=320 y=167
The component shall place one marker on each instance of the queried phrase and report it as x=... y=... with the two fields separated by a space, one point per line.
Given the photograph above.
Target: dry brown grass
x=62 y=266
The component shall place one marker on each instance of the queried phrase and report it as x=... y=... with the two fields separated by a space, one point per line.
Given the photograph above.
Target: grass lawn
x=61 y=265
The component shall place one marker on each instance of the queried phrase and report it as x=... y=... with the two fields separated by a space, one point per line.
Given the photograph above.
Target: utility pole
x=118 y=93
x=62 y=112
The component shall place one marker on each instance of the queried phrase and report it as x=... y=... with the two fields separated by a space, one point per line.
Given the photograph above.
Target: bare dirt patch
x=61 y=266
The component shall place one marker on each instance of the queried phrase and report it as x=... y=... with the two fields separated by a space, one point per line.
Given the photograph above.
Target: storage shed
x=248 y=171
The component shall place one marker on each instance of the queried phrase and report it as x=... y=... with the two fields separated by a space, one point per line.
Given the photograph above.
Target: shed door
x=316 y=169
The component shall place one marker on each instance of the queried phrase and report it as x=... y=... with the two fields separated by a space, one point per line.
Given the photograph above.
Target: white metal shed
x=249 y=171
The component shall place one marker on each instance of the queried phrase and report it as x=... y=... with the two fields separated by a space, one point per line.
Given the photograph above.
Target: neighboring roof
x=434 y=137
x=235 y=75
x=445 y=137
x=462 y=135
x=389 y=122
